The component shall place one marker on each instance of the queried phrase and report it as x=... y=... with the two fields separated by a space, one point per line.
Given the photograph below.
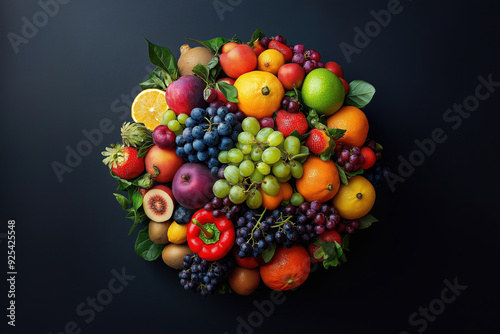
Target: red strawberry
x=285 y=50
x=318 y=141
x=123 y=161
x=258 y=48
x=287 y=122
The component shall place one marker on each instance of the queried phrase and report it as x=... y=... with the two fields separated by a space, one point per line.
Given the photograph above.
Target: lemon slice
x=148 y=107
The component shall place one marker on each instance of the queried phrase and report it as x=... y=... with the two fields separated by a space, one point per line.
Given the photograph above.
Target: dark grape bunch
x=289 y=104
x=223 y=206
x=208 y=132
x=202 y=276
x=349 y=158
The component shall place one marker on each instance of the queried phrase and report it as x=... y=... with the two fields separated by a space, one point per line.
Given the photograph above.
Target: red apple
x=290 y=74
x=327 y=236
x=220 y=96
x=238 y=60
x=185 y=94
x=192 y=185
x=335 y=68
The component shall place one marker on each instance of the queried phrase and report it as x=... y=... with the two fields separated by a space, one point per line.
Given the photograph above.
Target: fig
x=191 y=57
x=173 y=255
x=158 y=232
x=158 y=205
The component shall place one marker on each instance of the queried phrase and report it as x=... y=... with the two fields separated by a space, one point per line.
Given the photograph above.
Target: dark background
x=439 y=224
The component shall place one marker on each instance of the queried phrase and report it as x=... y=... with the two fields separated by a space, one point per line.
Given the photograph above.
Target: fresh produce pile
x=245 y=162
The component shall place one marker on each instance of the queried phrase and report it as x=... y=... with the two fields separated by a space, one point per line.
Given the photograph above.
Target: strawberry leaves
x=331 y=252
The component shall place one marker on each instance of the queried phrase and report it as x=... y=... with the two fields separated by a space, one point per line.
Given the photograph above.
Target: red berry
x=369 y=157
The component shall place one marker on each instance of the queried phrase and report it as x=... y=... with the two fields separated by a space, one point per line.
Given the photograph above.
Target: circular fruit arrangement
x=246 y=162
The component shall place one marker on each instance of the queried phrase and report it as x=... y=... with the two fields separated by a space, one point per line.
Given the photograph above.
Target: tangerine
x=320 y=180
x=354 y=121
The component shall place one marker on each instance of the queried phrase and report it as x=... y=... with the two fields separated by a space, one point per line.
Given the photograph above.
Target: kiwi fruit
x=158 y=205
x=191 y=57
x=158 y=232
x=173 y=255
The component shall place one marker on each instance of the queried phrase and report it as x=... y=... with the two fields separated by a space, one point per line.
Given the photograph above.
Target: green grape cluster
x=261 y=159
x=174 y=122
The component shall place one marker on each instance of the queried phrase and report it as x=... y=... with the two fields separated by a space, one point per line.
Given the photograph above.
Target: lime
x=323 y=91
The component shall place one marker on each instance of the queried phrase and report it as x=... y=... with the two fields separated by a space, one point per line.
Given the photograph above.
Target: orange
x=273 y=202
x=244 y=281
x=148 y=107
x=288 y=268
x=354 y=121
x=356 y=199
x=320 y=180
x=259 y=93
x=270 y=61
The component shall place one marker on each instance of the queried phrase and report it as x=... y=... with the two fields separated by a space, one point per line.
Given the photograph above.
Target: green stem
x=208 y=232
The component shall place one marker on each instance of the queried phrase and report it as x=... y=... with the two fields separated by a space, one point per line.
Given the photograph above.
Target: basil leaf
x=137 y=200
x=155 y=80
x=358 y=172
x=213 y=44
x=124 y=202
x=229 y=91
x=147 y=249
x=343 y=176
x=360 y=94
x=161 y=57
x=268 y=253
x=367 y=221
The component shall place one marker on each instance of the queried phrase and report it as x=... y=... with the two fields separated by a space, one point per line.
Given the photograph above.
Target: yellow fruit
x=270 y=61
x=177 y=234
x=356 y=199
x=260 y=93
x=148 y=107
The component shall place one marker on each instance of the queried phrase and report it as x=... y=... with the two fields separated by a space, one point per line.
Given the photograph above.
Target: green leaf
x=335 y=133
x=319 y=253
x=378 y=147
x=268 y=253
x=360 y=94
x=145 y=148
x=202 y=72
x=257 y=35
x=124 y=202
x=131 y=214
x=213 y=62
x=122 y=183
x=161 y=57
x=229 y=91
x=367 y=221
x=155 y=80
x=343 y=176
x=358 y=172
x=329 y=249
x=213 y=44
x=137 y=200
x=144 y=247
x=345 y=242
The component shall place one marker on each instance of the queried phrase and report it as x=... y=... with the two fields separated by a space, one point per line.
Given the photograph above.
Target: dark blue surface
x=83 y=66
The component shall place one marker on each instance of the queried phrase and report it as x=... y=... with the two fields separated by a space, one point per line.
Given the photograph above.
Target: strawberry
x=258 y=48
x=123 y=161
x=285 y=50
x=318 y=141
x=287 y=122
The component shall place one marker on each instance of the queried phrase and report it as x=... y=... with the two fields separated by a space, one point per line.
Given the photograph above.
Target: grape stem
x=257 y=224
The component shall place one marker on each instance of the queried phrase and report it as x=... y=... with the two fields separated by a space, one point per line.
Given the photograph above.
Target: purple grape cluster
x=323 y=217
x=349 y=158
x=202 y=276
x=308 y=59
x=224 y=207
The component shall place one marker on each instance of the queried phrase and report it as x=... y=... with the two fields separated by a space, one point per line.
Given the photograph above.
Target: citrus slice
x=148 y=107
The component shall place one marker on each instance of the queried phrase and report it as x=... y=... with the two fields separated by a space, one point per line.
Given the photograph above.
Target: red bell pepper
x=209 y=237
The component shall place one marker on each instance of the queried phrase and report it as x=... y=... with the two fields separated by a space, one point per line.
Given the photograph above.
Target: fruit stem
x=359 y=195
x=207 y=231
x=184 y=177
x=265 y=90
